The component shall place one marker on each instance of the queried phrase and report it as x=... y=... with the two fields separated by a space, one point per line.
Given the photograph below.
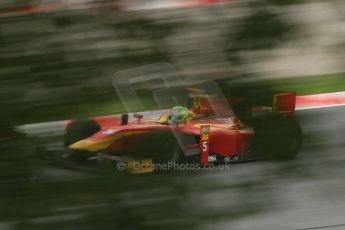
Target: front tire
x=80 y=129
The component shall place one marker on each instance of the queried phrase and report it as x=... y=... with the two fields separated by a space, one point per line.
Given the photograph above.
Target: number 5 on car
x=204 y=144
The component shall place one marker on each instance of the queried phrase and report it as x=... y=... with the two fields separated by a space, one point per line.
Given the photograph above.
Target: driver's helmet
x=179 y=113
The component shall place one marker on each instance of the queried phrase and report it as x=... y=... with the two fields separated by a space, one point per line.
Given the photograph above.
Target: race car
x=200 y=126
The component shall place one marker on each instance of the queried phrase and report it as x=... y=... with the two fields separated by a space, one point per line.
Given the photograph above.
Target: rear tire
x=277 y=137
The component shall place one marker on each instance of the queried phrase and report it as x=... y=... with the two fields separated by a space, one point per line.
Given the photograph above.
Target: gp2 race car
x=200 y=127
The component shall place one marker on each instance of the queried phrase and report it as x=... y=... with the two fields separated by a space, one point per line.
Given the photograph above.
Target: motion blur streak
x=57 y=58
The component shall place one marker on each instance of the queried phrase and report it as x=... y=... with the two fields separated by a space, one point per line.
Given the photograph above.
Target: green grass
x=112 y=105
x=104 y=105
x=306 y=85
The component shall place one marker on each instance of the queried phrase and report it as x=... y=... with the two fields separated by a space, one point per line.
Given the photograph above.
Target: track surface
x=305 y=193
x=310 y=190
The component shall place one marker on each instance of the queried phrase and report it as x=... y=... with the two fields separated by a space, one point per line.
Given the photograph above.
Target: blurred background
x=57 y=58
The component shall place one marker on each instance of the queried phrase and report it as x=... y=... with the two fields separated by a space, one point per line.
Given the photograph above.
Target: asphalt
x=309 y=191
x=304 y=193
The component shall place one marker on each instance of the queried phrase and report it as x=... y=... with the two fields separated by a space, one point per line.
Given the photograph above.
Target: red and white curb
x=318 y=101
x=126 y=6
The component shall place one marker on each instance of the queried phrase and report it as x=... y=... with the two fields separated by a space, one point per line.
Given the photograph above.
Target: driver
x=180 y=113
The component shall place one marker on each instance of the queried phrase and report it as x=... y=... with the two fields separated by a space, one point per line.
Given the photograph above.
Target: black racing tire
x=172 y=152
x=80 y=129
x=163 y=146
x=243 y=111
x=277 y=137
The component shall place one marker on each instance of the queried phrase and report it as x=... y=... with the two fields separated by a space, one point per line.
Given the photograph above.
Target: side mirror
x=138 y=116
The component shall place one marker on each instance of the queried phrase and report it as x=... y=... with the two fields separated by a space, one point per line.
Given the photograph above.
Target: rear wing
x=284 y=103
x=246 y=106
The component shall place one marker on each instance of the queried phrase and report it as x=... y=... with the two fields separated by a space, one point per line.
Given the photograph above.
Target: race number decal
x=204 y=144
